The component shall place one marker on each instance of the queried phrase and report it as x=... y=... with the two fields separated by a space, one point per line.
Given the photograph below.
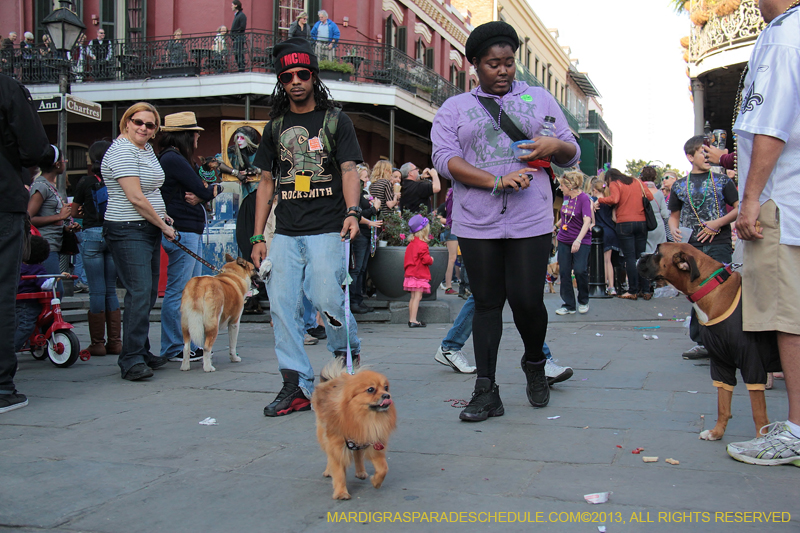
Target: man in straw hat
x=313 y=149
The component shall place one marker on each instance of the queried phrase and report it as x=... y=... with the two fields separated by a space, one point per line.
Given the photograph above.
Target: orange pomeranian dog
x=355 y=417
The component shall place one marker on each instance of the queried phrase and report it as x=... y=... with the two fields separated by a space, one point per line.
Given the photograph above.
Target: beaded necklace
x=566 y=220
x=495 y=125
x=209 y=176
x=689 y=196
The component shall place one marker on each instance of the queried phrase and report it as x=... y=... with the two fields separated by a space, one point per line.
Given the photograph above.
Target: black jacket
x=239 y=23
x=179 y=178
x=22 y=144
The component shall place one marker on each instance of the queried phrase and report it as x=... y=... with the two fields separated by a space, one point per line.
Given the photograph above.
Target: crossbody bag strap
x=506 y=122
x=511 y=129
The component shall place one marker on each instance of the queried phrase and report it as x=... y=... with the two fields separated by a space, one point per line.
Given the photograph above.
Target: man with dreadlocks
x=311 y=147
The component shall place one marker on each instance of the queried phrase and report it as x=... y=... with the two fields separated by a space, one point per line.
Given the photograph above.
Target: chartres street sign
x=84 y=108
x=48 y=103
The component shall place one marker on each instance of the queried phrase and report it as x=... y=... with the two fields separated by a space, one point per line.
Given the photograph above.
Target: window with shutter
x=402 y=38
x=429 y=58
x=462 y=80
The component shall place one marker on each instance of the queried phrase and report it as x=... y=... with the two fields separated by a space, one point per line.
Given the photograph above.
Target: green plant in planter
x=425 y=88
x=336 y=66
x=397 y=233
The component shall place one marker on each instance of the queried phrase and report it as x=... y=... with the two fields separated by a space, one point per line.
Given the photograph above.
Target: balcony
x=725 y=33
x=523 y=74
x=596 y=122
x=208 y=55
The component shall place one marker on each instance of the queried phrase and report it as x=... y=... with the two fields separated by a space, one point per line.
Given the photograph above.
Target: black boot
x=291 y=397
x=485 y=402
x=537 y=389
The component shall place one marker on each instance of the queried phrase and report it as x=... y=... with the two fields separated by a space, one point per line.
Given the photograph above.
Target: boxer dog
x=715 y=293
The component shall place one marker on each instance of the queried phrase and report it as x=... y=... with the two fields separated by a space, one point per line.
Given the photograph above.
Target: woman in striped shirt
x=135 y=219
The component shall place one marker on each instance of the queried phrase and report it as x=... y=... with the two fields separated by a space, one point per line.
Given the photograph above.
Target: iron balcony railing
x=596 y=122
x=209 y=54
x=523 y=74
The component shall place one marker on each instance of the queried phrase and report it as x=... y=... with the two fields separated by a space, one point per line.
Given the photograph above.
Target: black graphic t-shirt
x=695 y=196
x=310 y=186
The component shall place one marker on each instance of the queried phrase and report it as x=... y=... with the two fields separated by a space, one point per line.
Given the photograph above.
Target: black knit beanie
x=489 y=34
x=294 y=52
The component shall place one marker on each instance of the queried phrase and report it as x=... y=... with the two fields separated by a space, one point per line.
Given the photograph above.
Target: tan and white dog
x=212 y=302
x=716 y=295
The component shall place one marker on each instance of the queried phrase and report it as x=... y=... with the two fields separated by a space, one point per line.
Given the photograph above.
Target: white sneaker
x=310 y=340
x=454 y=360
x=441 y=286
x=564 y=311
x=583 y=309
x=556 y=373
x=777 y=446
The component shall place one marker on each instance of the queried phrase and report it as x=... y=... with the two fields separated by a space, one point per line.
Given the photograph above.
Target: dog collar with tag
x=715 y=280
x=353 y=446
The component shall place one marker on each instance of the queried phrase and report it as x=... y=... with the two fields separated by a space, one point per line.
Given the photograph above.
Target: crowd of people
x=499 y=211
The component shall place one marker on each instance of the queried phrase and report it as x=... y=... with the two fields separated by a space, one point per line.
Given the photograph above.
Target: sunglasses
x=140 y=123
x=287 y=77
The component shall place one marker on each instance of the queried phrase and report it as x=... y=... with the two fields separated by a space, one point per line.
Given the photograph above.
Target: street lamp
x=65 y=28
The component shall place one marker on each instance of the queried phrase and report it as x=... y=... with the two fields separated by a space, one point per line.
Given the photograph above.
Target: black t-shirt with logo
x=321 y=208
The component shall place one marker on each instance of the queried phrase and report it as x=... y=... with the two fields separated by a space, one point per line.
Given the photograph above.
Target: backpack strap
x=329 y=127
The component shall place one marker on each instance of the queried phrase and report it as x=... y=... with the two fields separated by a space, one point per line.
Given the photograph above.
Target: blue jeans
x=314 y=265
x=52 y=265
x=632 y=237
x=12 y=227
x=458 y=335
x=569 y=262
x=179 y=272
x=359 y=248
x=309 y=315
x=27 y=313
x=79 y=269
x=136 y=249
x=100 y=271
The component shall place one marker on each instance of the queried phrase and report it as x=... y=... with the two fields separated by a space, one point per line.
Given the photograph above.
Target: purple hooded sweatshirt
x=462 y=128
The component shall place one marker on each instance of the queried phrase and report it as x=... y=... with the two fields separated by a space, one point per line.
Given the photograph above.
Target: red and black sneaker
x=291 y=397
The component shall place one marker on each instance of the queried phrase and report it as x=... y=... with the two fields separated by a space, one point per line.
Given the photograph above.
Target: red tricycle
x=53 y=337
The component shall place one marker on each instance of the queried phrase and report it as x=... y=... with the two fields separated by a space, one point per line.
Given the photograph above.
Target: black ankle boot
x=485 y=402
x=538 y=391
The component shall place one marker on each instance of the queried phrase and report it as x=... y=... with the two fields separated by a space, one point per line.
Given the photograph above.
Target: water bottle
x=548 y=129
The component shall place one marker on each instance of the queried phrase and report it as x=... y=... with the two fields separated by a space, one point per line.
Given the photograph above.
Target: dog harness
x=355 y=447
x=712 y=282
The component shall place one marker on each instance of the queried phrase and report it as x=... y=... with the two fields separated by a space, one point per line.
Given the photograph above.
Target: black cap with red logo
x=294 y=52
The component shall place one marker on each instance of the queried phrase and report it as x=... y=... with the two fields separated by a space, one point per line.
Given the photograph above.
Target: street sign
x=48 y=103
x=84 y=108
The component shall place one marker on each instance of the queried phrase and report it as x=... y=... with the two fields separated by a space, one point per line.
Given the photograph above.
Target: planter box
x=386 y=271
x=333 y=75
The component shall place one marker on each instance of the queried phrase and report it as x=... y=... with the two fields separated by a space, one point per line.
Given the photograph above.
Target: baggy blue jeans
x=314 y=265
x=179 y=271
x=136 y=249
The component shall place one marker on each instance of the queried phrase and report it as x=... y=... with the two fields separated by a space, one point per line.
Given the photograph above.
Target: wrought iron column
x=63 y=88
x=698 y=95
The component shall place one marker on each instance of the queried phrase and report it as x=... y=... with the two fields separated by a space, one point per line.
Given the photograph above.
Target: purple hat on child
x=417 y=222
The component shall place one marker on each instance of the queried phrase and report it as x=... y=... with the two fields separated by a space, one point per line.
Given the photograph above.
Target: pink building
x=396 y=61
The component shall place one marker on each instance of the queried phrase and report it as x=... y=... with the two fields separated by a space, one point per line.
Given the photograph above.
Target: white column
x=698 y=95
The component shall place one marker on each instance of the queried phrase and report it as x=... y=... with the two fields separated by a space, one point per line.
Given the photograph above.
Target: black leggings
x=512 y=269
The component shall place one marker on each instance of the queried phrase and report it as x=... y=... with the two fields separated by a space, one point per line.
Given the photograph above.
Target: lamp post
x=65 y=28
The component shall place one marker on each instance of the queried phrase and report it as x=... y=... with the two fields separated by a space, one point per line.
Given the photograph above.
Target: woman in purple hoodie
x=502 y=208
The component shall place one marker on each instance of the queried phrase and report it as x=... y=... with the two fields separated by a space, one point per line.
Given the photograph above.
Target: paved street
x=95 y=453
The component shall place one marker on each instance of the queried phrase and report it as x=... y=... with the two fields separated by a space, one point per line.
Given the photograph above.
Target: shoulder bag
x=649 y=215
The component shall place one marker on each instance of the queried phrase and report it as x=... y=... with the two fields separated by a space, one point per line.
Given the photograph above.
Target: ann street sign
x=48 y=103
x=84 y=108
